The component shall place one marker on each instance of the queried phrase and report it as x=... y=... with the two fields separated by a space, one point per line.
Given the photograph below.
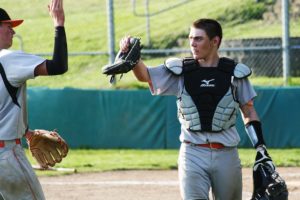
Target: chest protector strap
x=210 y=91
x=11 y=89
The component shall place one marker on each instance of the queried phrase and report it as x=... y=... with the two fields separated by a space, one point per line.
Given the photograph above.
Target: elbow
x=141 y=79
x=55 y=68
x=141 y=75
x=64 y=69
x=61 y=70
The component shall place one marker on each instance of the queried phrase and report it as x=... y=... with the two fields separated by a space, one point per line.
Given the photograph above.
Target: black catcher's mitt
x=124 y=61
x=267 y=183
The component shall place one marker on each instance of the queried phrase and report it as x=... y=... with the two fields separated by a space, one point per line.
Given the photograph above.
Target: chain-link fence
x=253 y=30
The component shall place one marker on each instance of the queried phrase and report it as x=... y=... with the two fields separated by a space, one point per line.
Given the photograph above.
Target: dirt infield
x=140 y=185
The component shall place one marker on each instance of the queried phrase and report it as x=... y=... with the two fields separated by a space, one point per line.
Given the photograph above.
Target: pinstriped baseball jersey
x=18 y=67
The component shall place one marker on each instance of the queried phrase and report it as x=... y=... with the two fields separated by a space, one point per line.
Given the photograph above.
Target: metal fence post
x=111 y=31
x=285 y=41
x=147 y=22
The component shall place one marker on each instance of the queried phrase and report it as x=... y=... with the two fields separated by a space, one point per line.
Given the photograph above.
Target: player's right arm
x=140 y=70
x=59 y=63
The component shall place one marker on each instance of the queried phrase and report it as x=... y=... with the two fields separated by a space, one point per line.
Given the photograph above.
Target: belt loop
x=16 y=141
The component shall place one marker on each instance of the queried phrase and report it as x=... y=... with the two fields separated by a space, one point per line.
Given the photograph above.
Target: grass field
x=125 y=159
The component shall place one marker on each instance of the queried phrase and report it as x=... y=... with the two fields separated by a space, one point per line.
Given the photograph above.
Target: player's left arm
x=59 y=63
x=266 y=180
x=252 y=124
x=254 y=130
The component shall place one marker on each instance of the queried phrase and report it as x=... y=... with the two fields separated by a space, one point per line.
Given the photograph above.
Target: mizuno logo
x=206 y=83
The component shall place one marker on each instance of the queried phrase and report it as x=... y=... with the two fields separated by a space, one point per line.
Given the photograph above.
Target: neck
x=210 y=61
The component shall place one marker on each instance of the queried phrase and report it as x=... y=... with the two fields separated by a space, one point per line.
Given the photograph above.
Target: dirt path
x=140 y=185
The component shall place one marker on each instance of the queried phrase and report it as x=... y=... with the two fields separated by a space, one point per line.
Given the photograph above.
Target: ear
x=216 y=41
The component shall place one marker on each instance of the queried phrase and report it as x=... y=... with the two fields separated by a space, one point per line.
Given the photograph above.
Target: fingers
x=64 y=150
x=60 y=4
x=49 y=159
x=124 y=44
x=56 y=155
x=56 y=5
x=56 y=11
x=50 y=154
x=38 y=155
x=61 y=145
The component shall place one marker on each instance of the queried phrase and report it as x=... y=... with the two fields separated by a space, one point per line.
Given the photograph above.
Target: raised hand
x=56 y=11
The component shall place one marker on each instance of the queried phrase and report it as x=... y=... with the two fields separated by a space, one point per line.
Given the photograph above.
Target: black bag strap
x=11 y=89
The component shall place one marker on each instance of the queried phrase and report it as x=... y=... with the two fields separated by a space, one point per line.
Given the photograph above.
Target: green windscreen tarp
x=279 y=112
x=136 y=119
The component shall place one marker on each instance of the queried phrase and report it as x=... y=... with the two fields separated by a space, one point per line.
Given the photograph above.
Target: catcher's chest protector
x=207 y=86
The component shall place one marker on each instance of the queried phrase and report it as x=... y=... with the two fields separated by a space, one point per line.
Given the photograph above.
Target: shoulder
x=4 y=53
x=241 y=71
x=174 y=65
x=7 y=57
x=179 y=66
x=12 y=55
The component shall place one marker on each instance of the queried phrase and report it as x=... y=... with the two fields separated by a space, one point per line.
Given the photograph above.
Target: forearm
x=249 y=113
x=59 y=62
x=252 y=124
x=141 y=73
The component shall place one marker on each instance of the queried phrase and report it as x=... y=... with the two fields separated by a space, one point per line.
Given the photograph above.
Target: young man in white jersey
x=17 y=178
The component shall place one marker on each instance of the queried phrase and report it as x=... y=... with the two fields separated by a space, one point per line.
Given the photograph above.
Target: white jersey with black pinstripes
x=18 y=67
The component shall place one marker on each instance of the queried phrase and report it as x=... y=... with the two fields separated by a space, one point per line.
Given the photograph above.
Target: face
x=201 y=46
x=6 y=35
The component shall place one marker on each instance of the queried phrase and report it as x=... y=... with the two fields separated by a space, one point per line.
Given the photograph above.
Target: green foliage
x=247 y=11
x=267 y=2
x=170 y=41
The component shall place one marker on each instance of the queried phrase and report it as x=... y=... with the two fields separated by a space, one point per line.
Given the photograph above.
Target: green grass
x=274 y=82
x=86 y=26
x=109 y=160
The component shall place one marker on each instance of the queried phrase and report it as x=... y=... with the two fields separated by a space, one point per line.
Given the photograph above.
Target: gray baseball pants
x=201 y=169
x=17 y=178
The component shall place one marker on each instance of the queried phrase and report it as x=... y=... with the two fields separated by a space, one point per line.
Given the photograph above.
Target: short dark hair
x=210 y=26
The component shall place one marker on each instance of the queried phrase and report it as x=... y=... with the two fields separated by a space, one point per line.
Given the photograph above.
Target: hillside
x=86 y=25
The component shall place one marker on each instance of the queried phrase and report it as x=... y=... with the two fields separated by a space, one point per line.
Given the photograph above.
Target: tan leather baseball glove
x=47 y=147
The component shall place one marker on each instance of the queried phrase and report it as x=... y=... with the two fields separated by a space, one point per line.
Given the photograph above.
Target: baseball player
x=17 y=178
x=210 y=91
